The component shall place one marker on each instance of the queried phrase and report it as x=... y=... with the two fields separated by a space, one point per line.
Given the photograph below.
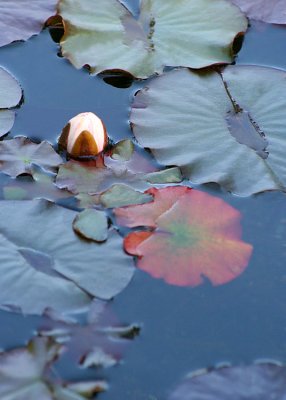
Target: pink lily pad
x=196 y=235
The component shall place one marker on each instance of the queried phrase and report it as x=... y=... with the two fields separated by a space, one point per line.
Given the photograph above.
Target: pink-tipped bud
x=84 y=136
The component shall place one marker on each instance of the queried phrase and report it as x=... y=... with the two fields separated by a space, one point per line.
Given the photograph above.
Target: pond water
x=183 y=329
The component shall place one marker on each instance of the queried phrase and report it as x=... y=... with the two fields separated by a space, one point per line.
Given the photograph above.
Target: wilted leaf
x=196 y=236
x=10 y=96
x=87 y=177
x=273 y=11
x=91 y=224
x=26 y=374
x=192 y=115
x=18 y=155
x=122 y=195
x=193 y=33
x=44 y=264
x=20 y=19
x=98 y=343
x=255 y=382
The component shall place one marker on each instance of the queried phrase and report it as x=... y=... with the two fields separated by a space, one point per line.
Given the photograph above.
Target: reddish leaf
x=272 y=11
x=147 y=215
x=196 y=235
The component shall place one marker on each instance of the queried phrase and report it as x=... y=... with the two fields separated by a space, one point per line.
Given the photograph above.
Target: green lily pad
x=18 y=155
x=91 y=224
x=123 y=195
x=25 y=373
x=123 y=150
x=19 y=21
x=227 y=128
x=169 y=175
x=193 y=33
x=10 y=96
x=45 y=265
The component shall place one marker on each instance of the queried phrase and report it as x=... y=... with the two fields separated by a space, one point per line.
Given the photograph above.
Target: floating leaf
x=20 y=19
x=263 y=381
x=195 y=33
x=18 y=155
x=196 y=235
x=10 y=96
x=273 y=11
x=44 y=264
x=190 y=114
x=123 y=150
x=91 y=224
x=122 y=195
x=87 y=177
x=98 y=343
x=25 y=373
x=40 y=187
x=169 y=175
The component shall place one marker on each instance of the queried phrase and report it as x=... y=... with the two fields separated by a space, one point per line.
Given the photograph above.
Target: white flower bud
x=84 y=136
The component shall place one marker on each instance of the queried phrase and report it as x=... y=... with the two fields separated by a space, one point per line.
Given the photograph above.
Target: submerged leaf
x=273 y=11
x=91 y=224
x=20 y=19
x=263 y=381
x=18 y=155
x=48 y=266
x=10 y=96
x=196 y=236
x=25 y=374
x=98 y=343
x=191 y=115
x=194 y=33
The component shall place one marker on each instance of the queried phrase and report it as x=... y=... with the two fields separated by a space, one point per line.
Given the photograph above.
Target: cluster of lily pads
x=202 y=121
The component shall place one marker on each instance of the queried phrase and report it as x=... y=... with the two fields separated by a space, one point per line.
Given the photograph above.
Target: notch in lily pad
x=84 y=136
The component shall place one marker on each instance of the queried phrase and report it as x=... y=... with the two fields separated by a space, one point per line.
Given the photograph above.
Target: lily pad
x=197 y=235
x=25 y=373
x=92 y=225
x=192 y=33
x=10 y=96
x=20 y=19
x=218 y=126
x=87 y=177
x=98 y=343
x=18 y=155
x=273 y=12
x=41 y=186
x=123 y=150
x=123 y=195
x=50 y=267
x=259 y=381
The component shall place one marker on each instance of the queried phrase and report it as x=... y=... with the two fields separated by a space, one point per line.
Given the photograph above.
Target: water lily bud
x=84 y=136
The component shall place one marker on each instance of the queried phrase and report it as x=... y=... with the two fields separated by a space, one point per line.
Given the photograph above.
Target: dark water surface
x=183 y=329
